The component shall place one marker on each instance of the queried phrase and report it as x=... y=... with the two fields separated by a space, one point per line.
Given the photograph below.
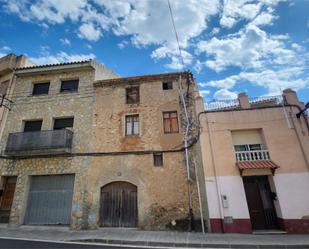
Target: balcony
x=253 y=155
x=36 y=143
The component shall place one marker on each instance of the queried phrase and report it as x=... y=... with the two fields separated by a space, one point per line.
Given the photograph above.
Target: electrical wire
x=176 y=34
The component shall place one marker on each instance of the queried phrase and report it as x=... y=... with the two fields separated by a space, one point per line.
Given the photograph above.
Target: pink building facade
x=255 y=157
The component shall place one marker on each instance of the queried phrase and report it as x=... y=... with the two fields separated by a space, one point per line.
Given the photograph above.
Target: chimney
x=291 y=98
x=243 y=101
x=199 y=104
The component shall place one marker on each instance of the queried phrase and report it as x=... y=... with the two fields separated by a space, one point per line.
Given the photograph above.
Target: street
x=27 y=244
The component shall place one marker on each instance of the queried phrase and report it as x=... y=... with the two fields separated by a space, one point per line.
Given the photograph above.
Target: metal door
x=50 y=200
x=119 y=205
x=260 y=203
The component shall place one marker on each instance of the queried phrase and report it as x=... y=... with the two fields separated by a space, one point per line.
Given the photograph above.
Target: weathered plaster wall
x=162 y=191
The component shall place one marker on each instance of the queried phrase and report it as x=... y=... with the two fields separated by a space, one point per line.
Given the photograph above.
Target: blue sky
x=231 y=46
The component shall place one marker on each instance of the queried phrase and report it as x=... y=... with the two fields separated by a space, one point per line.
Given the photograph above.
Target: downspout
x=218 y=189
x=199 y=197
x=299 y=140
x=191 y=217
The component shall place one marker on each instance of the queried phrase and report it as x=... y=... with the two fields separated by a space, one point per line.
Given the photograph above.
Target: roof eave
x=137 y=79
x=53 y=68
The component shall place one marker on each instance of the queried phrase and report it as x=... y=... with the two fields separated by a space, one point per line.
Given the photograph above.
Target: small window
x=62 y=123
x=170 y=122
x=69 y=86
x=132 y=125
x=33 y=125
x=241 y=147
x=167 y=85
x=40 y=88
x=158 y=159
x=132 y=95
x=255 y=146
x=248 y=147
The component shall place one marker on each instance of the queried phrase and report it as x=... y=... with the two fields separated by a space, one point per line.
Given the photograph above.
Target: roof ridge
x=55 y=64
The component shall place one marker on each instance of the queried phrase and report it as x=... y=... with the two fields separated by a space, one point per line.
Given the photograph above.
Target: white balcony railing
x=253 y=155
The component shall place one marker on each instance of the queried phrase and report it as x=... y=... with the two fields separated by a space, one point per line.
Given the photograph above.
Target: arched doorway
x=118 y=205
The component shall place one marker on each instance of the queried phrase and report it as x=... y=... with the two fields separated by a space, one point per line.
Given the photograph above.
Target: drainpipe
x=299 y=140
x=214 y=163
x=199 y=197
x=191 y=217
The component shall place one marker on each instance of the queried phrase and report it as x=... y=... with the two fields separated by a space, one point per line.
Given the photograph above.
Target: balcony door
x=260 y=203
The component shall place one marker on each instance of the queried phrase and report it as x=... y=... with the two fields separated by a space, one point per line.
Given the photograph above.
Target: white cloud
x=60 y=57
x=89 y=32
x=65 y=41
x=234 y=11
x=4 y=51
x=123 y=44
x=225 y=94
x=215 y=31
x=264 y=18
x=174 y=55
x=5 y=48
x=250 y=48
x=204 y=92
x=145 y=22
x=148 y=23
x=272 y=80
x=56 y=11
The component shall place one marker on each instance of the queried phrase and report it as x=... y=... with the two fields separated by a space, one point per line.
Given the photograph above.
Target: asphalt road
x=26 y=244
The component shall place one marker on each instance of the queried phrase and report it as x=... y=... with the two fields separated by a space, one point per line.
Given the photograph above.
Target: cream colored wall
x=284 y=148
x=281 y=141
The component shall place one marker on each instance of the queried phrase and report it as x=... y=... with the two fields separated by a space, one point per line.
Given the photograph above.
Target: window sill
x=38 y=95
x=68 y=92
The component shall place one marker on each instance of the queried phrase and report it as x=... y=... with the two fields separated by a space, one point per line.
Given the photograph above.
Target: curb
x=192 y=245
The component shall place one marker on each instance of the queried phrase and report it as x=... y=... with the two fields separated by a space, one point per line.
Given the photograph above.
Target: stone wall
x=162 y=191
x=47 y=107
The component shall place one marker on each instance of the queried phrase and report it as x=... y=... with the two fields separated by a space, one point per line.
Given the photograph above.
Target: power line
x=176 y=34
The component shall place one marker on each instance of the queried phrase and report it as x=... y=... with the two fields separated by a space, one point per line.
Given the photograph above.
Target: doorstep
x=268 y=232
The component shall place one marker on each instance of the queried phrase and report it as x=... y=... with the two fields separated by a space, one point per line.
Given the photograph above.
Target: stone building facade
x=43 y=95
x=78 y=153
x=162 y=200
x=255 y=157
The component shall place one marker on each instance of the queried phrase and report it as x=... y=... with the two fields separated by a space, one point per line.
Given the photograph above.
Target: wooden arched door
x=118 y=206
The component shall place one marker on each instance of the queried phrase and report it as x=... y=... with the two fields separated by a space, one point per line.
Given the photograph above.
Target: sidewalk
x=156 y=238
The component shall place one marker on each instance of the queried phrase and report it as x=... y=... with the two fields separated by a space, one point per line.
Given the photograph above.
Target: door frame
x=273 y=207
x=100 y=222
x=3 y=183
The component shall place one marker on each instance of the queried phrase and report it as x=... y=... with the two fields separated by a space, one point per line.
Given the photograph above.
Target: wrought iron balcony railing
x=48 y=142
x=253 y=155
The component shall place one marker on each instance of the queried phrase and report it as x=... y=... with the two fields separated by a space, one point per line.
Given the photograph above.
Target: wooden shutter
x=174 y=122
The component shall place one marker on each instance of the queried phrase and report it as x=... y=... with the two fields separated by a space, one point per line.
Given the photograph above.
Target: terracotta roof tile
x=54 y=65
x=262 y=164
